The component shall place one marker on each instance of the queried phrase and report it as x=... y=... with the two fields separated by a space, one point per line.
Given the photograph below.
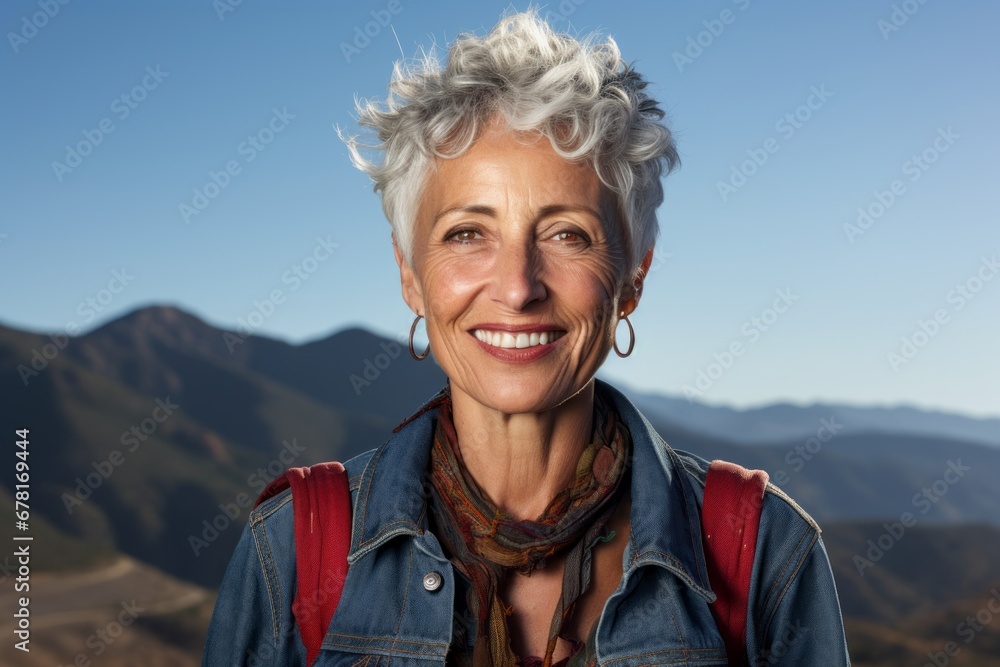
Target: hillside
x=151 y=435
x=917 y=597
x=207 y=432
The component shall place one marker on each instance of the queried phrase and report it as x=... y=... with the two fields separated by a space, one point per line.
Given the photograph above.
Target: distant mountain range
x=783 y=421
x=143 y=426
x=152 y=434
x=148 y=427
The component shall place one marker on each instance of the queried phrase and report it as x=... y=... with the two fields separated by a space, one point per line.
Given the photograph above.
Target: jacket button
x=432 y=581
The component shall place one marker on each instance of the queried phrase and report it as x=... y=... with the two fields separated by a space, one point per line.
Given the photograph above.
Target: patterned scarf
x=485 y=543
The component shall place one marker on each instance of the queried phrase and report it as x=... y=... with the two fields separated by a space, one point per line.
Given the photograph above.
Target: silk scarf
x=486 y=544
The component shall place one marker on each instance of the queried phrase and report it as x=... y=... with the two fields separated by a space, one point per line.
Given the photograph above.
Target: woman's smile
x=517 y=344
x=507 y=339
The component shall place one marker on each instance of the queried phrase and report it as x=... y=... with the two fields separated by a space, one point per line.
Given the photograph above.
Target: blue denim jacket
x=659 y=614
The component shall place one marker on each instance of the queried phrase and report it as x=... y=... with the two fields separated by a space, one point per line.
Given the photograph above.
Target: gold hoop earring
x=631 y=338
x=413 y=330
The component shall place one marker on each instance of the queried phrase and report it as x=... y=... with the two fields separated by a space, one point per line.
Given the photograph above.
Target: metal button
x=432 y=581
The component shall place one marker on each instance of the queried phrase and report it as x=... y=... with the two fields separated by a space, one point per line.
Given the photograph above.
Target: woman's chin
x=521 y=395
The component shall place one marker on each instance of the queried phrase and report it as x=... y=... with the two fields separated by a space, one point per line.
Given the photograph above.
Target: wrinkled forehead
x=501 y=166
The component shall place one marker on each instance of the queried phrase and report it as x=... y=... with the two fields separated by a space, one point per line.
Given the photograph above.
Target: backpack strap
x=730 y=516
x=321 y=499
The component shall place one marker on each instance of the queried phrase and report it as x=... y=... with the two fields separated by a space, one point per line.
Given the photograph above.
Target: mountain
x=144 y=431
x=351 y=369
x=923 y=569
x=934 y=587
x=119 y=614
x=784 y=421
x=150 y=436
x=152 y=425
x=869 y=475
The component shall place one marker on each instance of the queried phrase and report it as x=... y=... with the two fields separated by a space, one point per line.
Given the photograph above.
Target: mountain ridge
x=774 y=422
x=152 y=434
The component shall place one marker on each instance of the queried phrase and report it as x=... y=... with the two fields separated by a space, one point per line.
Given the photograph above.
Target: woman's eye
x=569 y=236
x=463 y=235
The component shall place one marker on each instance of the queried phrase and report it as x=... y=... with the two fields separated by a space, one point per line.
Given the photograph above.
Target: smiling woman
x=528 y=514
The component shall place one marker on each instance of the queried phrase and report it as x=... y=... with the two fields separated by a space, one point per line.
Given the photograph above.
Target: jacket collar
x=665 y=519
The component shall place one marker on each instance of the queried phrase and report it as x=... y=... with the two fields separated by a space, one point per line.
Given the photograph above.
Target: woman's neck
x=522 y=461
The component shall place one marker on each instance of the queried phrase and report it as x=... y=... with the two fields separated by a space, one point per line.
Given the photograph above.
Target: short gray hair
x=579 y=93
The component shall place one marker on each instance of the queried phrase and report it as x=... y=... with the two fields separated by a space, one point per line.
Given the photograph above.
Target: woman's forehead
x=503 y=164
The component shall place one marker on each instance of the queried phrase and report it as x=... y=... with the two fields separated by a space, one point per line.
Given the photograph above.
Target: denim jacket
x=391 y=612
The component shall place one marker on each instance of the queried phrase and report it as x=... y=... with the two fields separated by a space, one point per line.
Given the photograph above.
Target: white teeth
x=520 y=341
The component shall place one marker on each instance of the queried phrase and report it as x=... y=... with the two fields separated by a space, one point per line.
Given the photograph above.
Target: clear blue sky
x=886 y=95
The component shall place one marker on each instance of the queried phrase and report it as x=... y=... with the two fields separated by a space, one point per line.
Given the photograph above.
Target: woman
x=528 y=514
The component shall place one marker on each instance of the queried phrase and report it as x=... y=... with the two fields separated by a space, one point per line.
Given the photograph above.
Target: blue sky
x=833 y=100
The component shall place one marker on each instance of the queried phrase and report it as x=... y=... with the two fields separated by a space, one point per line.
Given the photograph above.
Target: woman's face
x=518 y=269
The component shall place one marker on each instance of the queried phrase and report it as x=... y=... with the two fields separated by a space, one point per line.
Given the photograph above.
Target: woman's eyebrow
x=481 y=209
x=553 y=209
x=545 y=211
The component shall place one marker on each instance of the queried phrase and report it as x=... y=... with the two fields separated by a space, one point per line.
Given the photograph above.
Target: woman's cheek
x=590 y=291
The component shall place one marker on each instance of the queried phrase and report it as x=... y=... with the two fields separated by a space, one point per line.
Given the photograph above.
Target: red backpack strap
x=730 y=515
x=321 y=498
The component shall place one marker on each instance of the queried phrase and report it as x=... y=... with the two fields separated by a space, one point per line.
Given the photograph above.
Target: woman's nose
x=517 y=281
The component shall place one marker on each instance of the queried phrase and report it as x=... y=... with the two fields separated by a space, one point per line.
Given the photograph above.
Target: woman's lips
x=520 y=340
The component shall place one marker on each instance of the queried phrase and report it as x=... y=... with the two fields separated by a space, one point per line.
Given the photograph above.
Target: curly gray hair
x=580 y=94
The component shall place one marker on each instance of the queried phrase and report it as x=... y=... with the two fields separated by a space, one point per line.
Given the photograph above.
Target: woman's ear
x=633 y=291
x=412 y=293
